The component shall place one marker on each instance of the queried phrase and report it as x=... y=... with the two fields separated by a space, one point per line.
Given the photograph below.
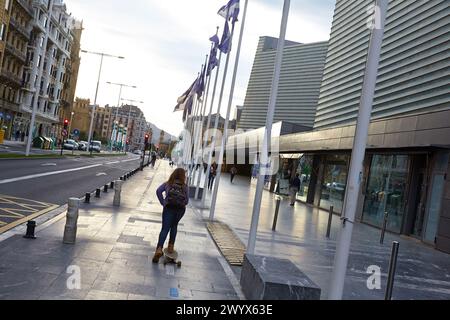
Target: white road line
x=130 y=160
x=114 y=162
x=48 y=164
x=34 y=176
x=101 y=174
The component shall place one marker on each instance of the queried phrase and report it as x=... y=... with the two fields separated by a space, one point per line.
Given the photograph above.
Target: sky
x=165 y=43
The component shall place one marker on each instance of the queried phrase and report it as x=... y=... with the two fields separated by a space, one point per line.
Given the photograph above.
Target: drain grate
x=228 y=242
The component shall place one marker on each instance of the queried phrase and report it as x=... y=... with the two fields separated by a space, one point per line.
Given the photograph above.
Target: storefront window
x=386 y=191
x=334 y=182
x=304 y=170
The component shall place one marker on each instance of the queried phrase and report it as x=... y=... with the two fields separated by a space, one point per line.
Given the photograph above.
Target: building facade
x=407 y=163
x=414 y=72
x=16 y=33
x=38 y=65
x=299 y=86
x=132 y=118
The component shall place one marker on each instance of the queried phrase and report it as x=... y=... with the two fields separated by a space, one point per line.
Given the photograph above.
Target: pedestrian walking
x=153 y=162
x=212 y=175
x=294 y=188
x=233 y=173
x=17 y=136
x=174 y=197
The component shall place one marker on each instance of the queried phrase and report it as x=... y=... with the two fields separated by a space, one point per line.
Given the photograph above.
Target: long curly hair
x=179 y=175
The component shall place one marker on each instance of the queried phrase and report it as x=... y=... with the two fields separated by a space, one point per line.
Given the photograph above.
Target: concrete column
x=117 y=192
x=70 y=231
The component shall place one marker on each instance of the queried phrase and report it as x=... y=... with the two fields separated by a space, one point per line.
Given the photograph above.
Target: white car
x=70 y=145
x=138 y=152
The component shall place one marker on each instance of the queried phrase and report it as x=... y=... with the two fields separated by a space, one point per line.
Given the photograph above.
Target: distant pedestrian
x=233 y=173
x=294 y=188
x=174 y=197
x=17 y=136
x=212 y=175
x=23 y=136
x=153 y=162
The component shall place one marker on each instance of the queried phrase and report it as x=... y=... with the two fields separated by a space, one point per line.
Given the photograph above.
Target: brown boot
x=171 y=248
x=158 y=255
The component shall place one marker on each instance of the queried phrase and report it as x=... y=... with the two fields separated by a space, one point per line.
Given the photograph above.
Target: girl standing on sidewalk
x=175 y=201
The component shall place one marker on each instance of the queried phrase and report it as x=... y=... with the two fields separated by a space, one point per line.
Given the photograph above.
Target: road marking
x=114 y=162
x=100 y=174
x=48 y=165
x=130 y=160
x=34 y=176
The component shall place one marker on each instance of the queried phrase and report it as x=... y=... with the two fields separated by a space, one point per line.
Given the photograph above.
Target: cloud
x=165 y=43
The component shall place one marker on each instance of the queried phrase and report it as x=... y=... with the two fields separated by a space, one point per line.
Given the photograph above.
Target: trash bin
x=38 y=142
x=53 y=143
x=46 y=143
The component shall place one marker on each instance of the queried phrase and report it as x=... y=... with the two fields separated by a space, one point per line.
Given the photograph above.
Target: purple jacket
x=164 y=188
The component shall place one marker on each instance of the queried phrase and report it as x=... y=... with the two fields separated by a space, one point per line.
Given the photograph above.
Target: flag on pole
x=230 y=11
x=213 y=61
x=188 y=108
x=181 y=102
x=225 y=43
x=200 y=86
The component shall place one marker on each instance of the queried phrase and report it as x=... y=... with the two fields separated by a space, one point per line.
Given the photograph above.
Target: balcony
x=10 y=78
x=26 y=6
x=18 y=54
x=21 y=29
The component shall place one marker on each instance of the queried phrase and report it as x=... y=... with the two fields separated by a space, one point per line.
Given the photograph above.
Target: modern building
x=299 y=86
x=407 y=163
x=414 y=73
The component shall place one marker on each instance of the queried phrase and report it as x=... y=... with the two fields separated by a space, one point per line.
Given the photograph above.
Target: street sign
x=64 y=133
x=76 y=132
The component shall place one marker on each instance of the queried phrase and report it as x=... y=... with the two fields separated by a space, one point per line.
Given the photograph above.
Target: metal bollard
x=277 y=210
x=105 y=188
x=97 y=193
x=383 y=231
x=392 y=269
x=330 y=221
x=121 y=178
x=31 y=227
x=87 y=198
x=70 y=230
x=112 y=185
x=117 y=193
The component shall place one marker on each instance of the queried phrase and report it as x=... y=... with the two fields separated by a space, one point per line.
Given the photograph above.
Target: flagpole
x=358 y=153
x=216 y=126
x=205 y=104
x=264 y=156
x=227 y=119
x=205 y=184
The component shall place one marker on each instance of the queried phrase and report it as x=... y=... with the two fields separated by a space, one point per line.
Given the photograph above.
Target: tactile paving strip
x=229 y=244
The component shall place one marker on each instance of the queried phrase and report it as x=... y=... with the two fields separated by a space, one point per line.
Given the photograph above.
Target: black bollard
x=277 y=210
x=121 y=178
x=97 y=193
x=383 y=231
x=87 y=198
x=105 y=188
x=330 y=221
x=112 y=185
x=392 y=269
x=31 y=227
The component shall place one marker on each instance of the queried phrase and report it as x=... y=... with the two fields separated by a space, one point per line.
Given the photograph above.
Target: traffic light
x=66 y=124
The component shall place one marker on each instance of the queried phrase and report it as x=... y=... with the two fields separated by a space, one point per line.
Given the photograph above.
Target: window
x=2 y=32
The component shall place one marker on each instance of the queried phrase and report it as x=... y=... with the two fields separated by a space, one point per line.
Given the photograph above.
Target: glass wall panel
x=304 y=170
x=386 y=191
x=334 y=182
x=435 y=208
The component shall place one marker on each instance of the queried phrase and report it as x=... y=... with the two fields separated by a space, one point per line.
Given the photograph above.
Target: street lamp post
x=70 y=123
x=121 y=85
x=96 y=91
x=129 y=115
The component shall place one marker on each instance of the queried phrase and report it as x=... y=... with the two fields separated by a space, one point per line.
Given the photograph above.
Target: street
x=31 y=188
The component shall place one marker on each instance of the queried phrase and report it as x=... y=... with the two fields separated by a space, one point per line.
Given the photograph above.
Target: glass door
x=437 y=190
x=387 y=191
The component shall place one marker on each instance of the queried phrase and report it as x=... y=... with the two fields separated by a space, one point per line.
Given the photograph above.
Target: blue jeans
x=171 y=218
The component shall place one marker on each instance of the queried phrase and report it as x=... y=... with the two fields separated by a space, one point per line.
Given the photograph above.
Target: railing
x=17 y=53
x=26 y=6
x=11 y=76
x=20 y=28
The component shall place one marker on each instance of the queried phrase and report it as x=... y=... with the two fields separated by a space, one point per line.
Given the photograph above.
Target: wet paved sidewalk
x=113 y=252
x=422 y=271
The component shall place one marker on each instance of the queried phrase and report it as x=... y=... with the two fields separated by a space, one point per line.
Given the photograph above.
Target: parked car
x=82 y=146
x=96 y=146
x=138 y=152
x=70 y=145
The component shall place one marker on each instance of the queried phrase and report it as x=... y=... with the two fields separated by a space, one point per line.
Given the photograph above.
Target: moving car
x=70 y=145
x=138 y=152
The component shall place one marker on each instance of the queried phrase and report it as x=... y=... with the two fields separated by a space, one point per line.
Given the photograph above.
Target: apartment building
x=132 y=118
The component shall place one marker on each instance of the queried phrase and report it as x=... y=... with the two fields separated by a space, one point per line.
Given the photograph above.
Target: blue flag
x=225 y=43
x=230 y=11
x=213 y=62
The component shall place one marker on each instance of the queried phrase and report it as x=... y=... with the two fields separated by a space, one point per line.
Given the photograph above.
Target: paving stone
x=105 y=295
